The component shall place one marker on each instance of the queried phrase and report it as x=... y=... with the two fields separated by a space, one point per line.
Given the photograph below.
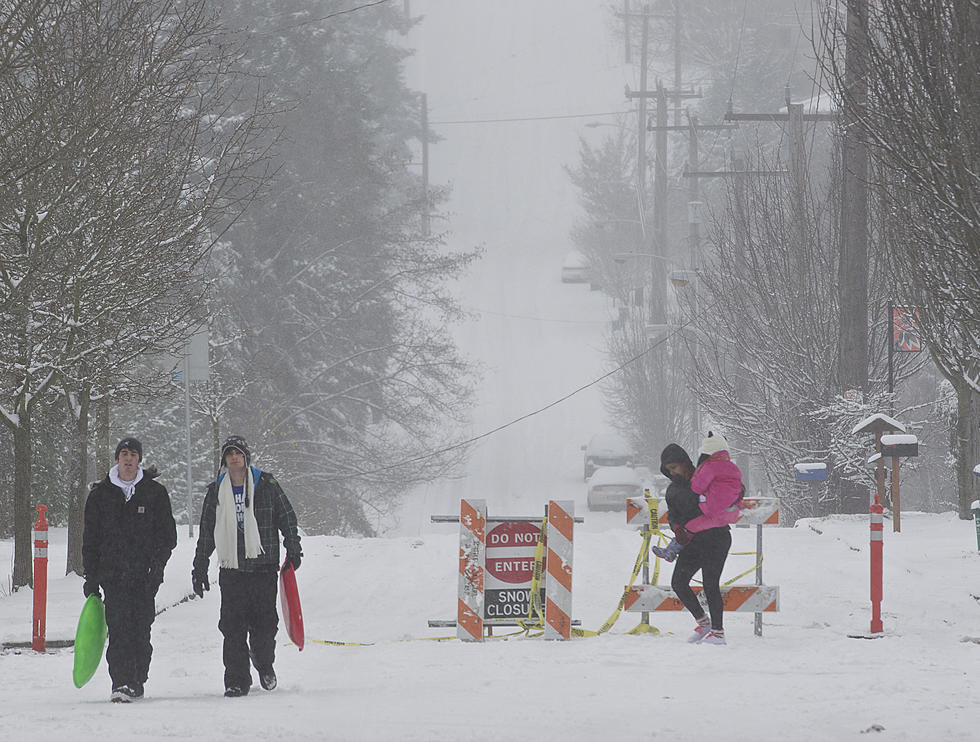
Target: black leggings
x=707 y=551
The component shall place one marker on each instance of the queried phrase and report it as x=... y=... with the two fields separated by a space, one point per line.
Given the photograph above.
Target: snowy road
x=482 y=65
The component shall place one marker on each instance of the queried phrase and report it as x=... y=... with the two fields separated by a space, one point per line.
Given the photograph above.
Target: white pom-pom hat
x=713 y=444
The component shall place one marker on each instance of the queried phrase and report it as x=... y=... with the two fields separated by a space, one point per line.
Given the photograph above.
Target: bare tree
x=110 y=231
x=922 y=122
x=768 y=319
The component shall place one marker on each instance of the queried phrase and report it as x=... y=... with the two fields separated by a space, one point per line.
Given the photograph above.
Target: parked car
x=575 y=268
x=610 y=487
x=606 y=449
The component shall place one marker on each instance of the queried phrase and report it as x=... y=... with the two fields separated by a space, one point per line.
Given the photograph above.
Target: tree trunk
x=966 y=448
x=23 y=520
x=79 y=484
x=853 y=266
x=103 y=444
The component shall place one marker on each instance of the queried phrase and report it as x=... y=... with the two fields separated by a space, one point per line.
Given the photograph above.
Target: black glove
x=683 y=535
x=91 y=587
x=200 y=582
x=293 y=559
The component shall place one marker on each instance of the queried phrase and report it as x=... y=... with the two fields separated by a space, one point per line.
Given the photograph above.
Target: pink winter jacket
x=718 y=481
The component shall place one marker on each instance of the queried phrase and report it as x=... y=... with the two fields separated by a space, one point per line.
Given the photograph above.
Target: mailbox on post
x=811 y=472
x=896 y=445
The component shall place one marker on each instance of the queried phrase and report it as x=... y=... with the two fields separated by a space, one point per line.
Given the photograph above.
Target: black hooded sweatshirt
x=682 y=502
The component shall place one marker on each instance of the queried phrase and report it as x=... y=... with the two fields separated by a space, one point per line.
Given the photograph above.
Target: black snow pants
x=129 y=614
x=707 y=551
x=248 y=621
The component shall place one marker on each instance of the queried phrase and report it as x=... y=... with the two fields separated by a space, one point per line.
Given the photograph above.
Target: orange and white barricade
x=757 y=598
x=762 y=511
x=754 y=598
x=472 y=563
x=558 y=579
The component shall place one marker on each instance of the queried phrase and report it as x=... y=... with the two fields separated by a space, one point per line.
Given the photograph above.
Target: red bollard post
x=40 y=578
x=877 y=553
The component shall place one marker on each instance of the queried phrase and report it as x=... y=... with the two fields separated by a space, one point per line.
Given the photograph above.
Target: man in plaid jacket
x=244 y=512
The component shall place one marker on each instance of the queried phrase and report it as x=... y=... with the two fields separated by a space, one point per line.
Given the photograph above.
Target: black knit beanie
x=131 y=444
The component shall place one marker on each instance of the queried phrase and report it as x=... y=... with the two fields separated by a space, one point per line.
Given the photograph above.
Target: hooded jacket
x=682 y=503
x=718 y=482
x=128 y=542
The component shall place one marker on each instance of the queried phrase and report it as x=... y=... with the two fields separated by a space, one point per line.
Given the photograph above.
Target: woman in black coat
x=705 y=550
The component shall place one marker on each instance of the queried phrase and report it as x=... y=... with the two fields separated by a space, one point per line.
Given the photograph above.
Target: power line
x=488 y=433
x=529 y=118
x=542 y=319
x=327 y=17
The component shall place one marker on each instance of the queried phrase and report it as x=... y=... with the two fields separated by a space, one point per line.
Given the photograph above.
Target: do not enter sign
x=510 y=552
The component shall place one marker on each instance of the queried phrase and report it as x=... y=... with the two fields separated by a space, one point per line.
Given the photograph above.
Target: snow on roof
x=822 y=102
x=894 y=439
x=878 y=418
x=810 y=466
x=614 y=475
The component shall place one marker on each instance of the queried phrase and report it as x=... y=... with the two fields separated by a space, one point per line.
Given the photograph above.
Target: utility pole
x=626 y=29
x=641 y=132
x=853 y=266
x=794 y=118
x=660 y=241
x=424 y=118
x=660 y=197
x=677 y=61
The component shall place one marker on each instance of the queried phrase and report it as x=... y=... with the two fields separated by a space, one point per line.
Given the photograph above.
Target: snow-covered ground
x=804 y=679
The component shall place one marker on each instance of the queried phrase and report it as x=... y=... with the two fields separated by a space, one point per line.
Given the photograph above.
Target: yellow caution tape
x=642 y=558
x=535 y=611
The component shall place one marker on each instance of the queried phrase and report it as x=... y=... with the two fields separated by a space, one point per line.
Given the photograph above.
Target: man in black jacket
x=243 y=513
x=128 y=538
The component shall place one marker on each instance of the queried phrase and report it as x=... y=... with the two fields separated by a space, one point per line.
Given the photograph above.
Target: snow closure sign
x=509 y=569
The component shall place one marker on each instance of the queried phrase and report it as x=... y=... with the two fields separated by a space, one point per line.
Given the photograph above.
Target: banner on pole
x=906 y=337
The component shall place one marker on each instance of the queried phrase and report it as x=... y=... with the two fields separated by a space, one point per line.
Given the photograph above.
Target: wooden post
x=896 y=498
x=879 y=472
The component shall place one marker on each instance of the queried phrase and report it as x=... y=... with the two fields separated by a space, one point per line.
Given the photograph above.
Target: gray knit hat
x=236 y=442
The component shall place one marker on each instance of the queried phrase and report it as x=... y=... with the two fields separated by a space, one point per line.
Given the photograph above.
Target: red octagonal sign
x=510 y=551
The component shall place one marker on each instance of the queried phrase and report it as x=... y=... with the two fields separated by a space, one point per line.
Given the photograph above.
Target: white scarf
x=226 y=523
x=128 y=488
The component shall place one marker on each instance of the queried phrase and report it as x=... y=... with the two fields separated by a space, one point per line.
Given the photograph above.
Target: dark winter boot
x=267 y=678
x=126 y=693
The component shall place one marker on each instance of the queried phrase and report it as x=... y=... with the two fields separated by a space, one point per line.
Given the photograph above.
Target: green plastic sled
x=89 y=640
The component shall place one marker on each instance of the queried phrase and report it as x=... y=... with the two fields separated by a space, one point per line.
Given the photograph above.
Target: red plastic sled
x=292 y=612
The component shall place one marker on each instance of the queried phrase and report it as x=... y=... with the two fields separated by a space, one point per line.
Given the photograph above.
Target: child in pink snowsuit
x=718 y=483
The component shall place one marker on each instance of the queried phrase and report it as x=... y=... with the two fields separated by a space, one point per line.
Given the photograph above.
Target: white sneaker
x=700 y=632
x=714 y=637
